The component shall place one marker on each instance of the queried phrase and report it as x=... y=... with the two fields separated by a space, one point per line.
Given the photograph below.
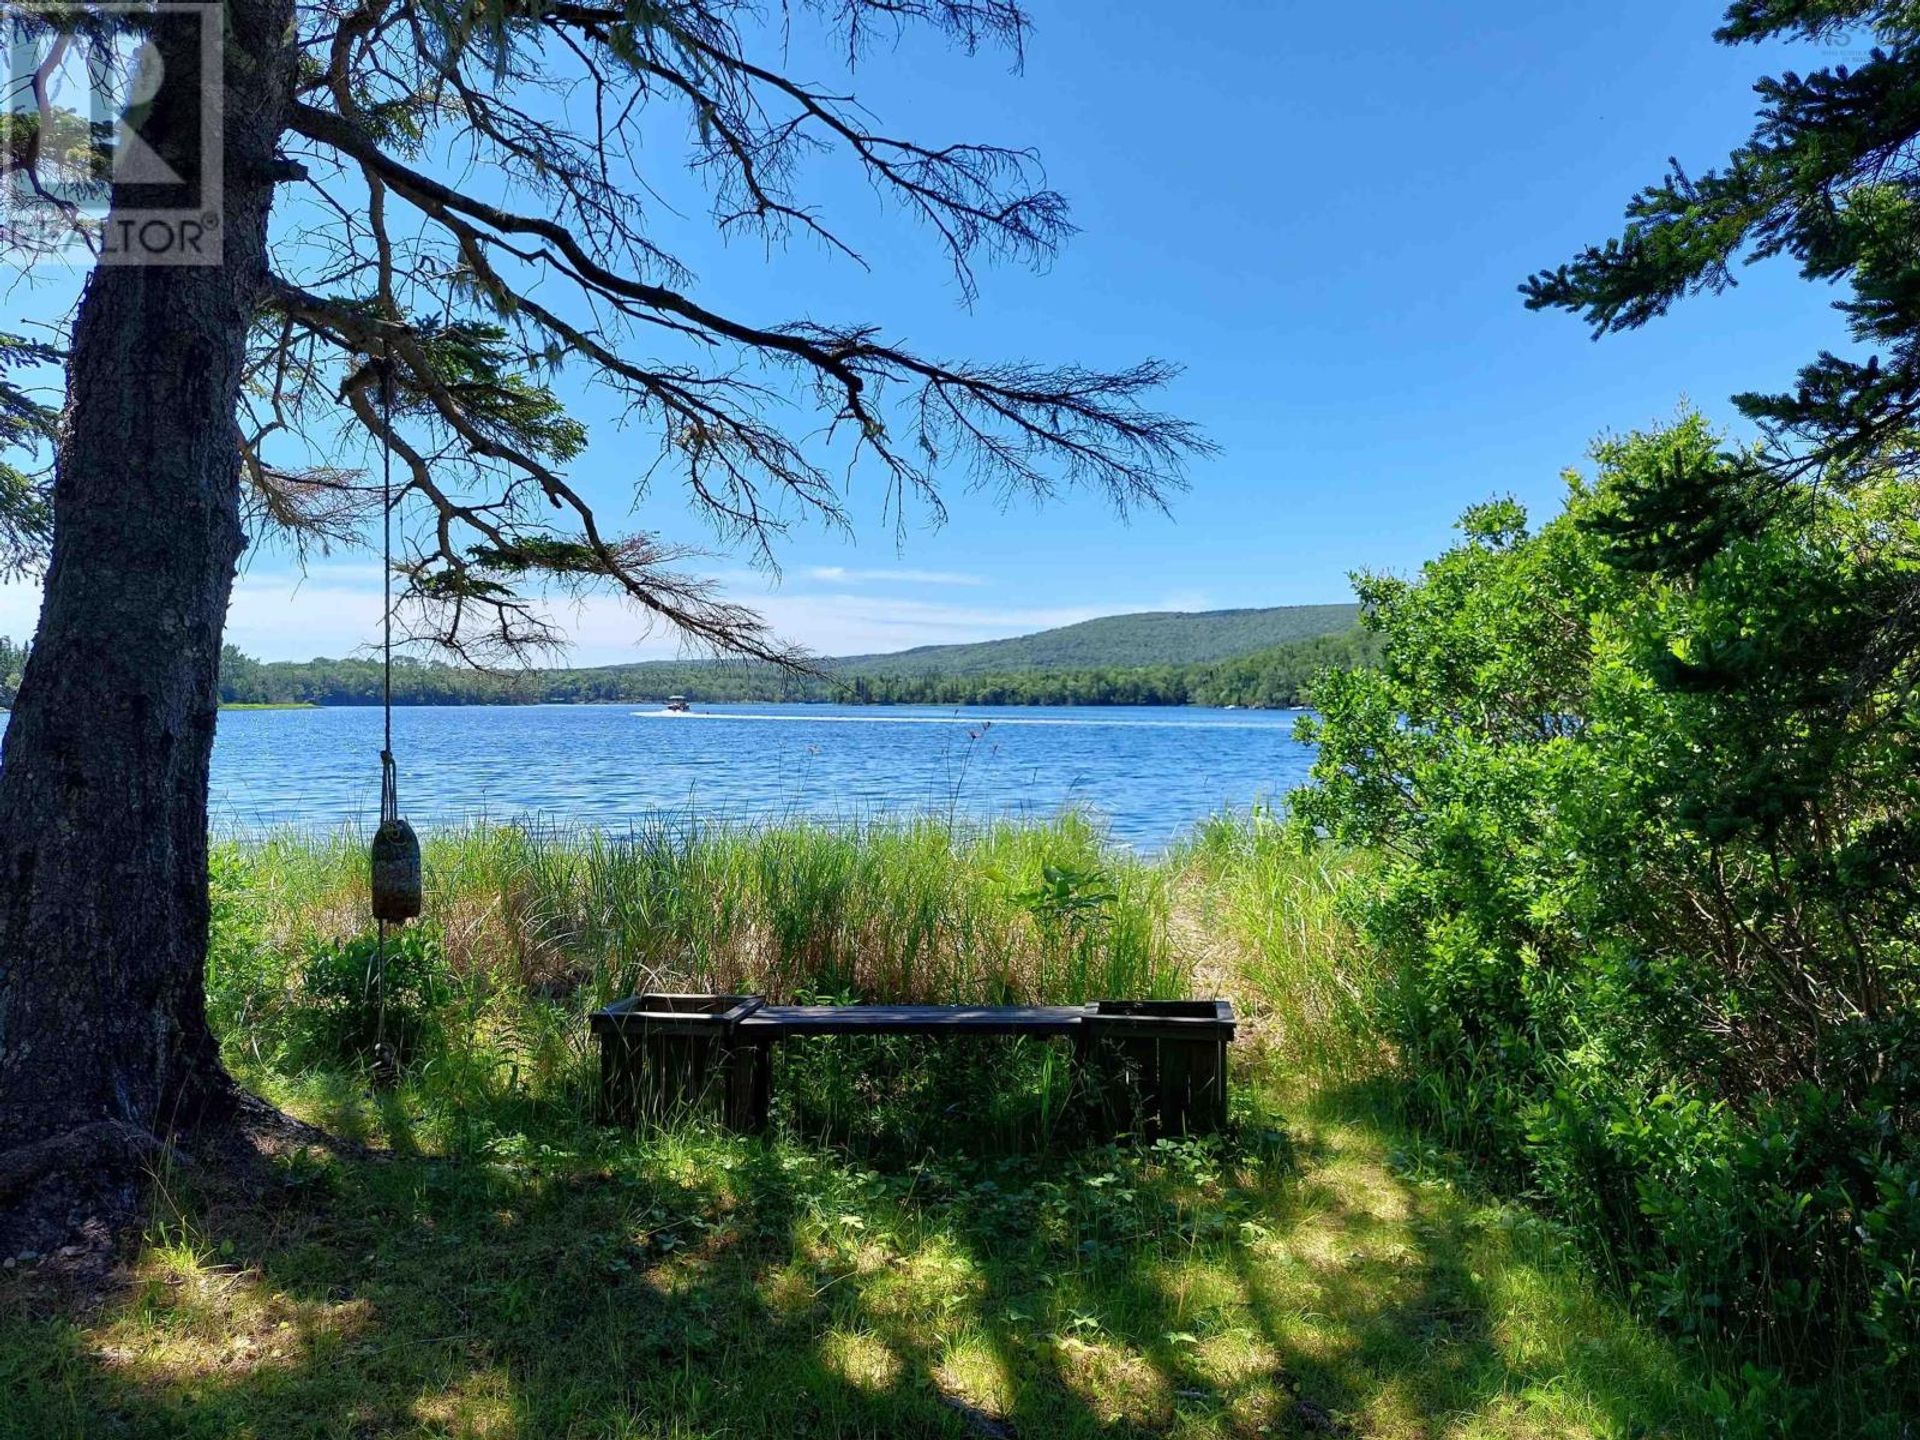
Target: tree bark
x=103 y=776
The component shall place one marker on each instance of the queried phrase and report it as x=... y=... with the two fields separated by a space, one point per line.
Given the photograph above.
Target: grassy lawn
x=553 y=1281
x=476 y=1259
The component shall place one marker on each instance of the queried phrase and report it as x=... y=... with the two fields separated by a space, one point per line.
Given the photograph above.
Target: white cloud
x=287 y=617
x=606 y=632
x=860 y=625
x=841 y=575
x=335 y=610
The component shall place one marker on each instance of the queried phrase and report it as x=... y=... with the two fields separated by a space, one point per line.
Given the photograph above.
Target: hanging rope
x=396 y=850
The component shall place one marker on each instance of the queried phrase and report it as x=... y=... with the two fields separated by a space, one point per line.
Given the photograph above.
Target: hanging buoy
x=396 y=855
x=396 y=849
x=396 y=871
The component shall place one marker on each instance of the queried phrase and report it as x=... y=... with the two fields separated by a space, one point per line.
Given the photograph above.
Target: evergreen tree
x=13 y=660
x=1829 y=179
x=416 y=231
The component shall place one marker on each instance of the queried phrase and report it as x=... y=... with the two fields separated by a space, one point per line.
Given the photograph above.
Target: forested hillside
x=1215 y=657
x=1274 y=677
x=1254 y=658
x=1159 y=637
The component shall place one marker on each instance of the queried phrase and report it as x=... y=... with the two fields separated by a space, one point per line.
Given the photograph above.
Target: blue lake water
x=1149 y=773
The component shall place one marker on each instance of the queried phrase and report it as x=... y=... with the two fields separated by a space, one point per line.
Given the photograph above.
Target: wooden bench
x=1160 y=1065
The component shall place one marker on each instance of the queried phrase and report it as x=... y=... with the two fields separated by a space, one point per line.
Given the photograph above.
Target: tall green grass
x=901 y=911
x=527 y=930
x=1275 y=904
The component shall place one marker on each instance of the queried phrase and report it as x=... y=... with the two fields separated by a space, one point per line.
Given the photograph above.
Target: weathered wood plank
x=915 y=1019
x=672 y=1014
x=1157 y=1065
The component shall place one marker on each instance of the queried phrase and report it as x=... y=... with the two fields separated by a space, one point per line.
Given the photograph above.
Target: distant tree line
x=1269 y=679
x=13 y=663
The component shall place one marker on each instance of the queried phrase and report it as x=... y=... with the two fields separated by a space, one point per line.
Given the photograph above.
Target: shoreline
x=505 y=704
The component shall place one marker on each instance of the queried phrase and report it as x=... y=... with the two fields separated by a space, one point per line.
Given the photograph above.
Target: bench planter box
x=1158 y=1065
x=662 y=1056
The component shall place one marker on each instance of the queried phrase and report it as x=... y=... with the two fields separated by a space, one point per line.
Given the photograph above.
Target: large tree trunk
x=103 y=778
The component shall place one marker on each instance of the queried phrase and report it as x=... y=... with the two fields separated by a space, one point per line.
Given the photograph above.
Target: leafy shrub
x=1649 y=891
x=242 y=973
x=1068 y=897
x=349 y=1003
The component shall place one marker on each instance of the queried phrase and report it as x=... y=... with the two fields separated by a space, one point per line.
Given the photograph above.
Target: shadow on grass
x=551 y=1279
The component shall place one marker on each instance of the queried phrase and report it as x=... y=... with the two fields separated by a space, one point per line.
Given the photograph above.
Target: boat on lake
x=677 y=705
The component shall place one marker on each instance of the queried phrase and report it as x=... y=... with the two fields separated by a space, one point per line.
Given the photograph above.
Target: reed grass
x=903 y=911
x=1297 y=961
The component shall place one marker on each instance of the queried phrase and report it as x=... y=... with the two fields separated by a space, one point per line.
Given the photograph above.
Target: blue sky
x=1324 y=222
